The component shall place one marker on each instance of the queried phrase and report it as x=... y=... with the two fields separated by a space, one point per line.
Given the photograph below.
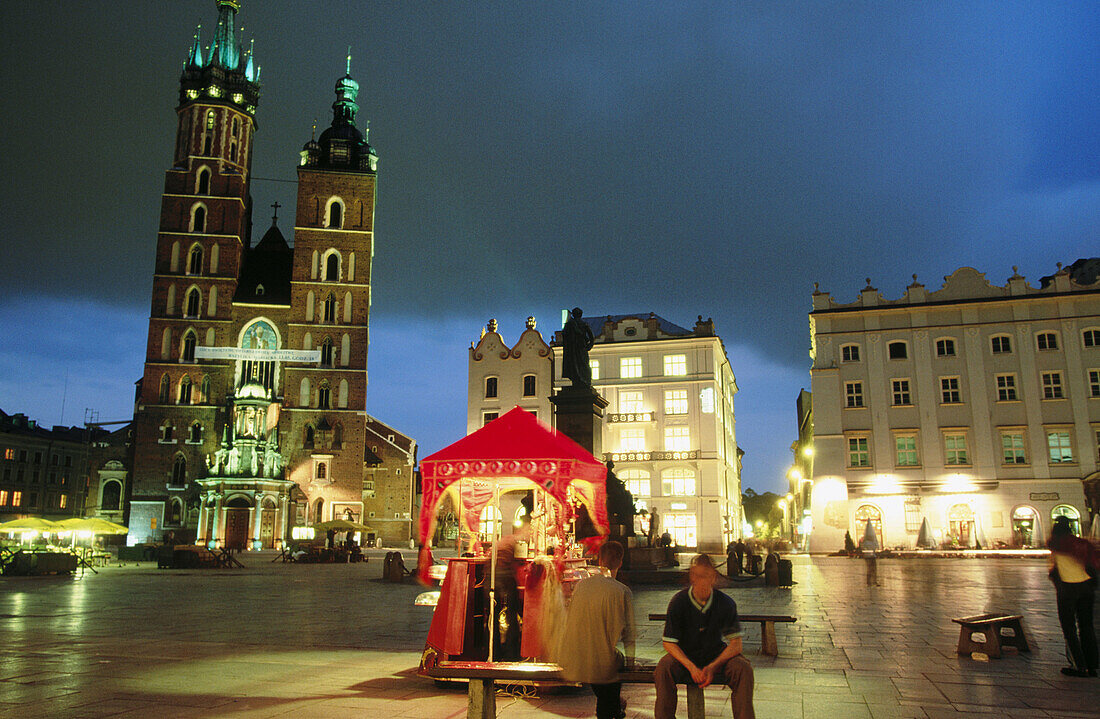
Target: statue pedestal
x=578 y=412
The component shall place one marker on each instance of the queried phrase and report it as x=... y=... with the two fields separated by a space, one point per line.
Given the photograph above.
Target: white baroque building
x=669 y=424
x=975 y=406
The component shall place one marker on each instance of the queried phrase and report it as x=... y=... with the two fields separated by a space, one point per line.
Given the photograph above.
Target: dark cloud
x=712 y=158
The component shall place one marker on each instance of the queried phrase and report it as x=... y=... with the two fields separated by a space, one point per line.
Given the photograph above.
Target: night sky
x=684 y=159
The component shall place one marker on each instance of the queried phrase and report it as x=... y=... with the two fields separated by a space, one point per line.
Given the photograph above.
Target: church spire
x=194 y=58
x=224 y=51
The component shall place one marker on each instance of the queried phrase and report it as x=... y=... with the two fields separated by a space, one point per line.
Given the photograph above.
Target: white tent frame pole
x=493 y=569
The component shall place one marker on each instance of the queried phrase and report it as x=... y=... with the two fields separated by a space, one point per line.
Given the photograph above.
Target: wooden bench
x=997 y=630
x=768 y=644
x=482 y=701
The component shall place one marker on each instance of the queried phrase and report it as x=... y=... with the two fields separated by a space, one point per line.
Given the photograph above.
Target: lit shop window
x=681 y=527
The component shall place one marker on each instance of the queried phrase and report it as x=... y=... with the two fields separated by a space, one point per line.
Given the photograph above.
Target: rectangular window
x=853 y=394
x=901 y=392
x=1012 y=448
x=1046 y=341
x=849 y=353
x=9 y=453
x=945 y=348
x=529 y=385
x=676 y=365
x=1052 y=385
x=677 y=439
x=637 y=487
x=630 y=367
x=3 y=497
x=676 y=401
x=1096 y=437
x=631 y=439
x=1094 y=383
x=678 y=483
x=490 y=387
x=1058 y=442
x=1091 y=338
x=859 y=453
x=17 y=499
x=488 y=417
x=38 y=458
x=906 y=445
x=55 y=459
x=1006 y=388
x=630 y=402
x=595 y=366
x=1001 y=344
x=63 y=501
x=897 y=350
x=949 y=390
x=955 y=447
x=706 y=400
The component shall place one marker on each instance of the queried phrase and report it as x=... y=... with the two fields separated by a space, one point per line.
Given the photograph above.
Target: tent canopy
x=514 y=451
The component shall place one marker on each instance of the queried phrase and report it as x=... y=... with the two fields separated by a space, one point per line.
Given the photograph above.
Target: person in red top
x=1074 y=564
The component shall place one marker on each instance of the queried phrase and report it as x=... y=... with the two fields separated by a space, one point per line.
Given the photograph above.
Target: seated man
x=703 y=639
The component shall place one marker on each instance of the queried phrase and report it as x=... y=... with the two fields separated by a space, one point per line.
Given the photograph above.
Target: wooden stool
x=993 y=628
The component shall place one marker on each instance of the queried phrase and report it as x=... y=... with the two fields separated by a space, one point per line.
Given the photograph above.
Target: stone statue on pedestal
x=577 y=339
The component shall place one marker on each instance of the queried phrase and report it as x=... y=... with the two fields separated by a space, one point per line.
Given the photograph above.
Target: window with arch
x=334 y=213
x=849 y=353
x=490 y=387
x=194 y=435
x=170 y=304
x=318 y=510
x=869 y=513
x=207 y=142
x=322 y=470
x=233 y=151
x=205 y=398
x=945 y=347
x=345 y=350
x=210 y=120
x=326 y=352
x=330 y=308
x=1090 y=338
x=342 y=395
x=324 y=395
x=1046 y=341
x=166 y=431
x=175 y=512
x=236 y=127
x=308 y=437
x=111 y=497
x=637 y=482
x=303 y=392
x=347 y=308
x=1069 y=512
x=337 y=436
x=897 y=350
x=332 y=267
x=187 y=352
x=1000 y=344
x=165 y=388
x=192 y=306
x=179 y=471
x=202 y=182
x=198 y=219
x=529 y=382
x=678 y=482
x=185 y=390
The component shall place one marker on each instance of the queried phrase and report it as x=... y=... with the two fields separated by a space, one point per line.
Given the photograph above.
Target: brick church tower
x=205 y=223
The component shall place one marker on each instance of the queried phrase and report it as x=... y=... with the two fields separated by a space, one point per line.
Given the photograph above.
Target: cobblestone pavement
x=334 y=641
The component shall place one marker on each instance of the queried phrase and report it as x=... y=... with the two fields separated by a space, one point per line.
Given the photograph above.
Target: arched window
x=864 y=513
x=174 y=260
x=318 y=510
x=342 y=395
x=209 y=336
x=347 y=308
x=636 y=481
x=337 y=435
x=313 y=265
x=175 y=512
x=187 y=354
x=233 y=151
x=960 y=519
x=490 y=387
x=326 y=352
x=235 y=126
x=185 y=390
x=166 y=431
x=165 y=385
x=194 y=436
x=1026 y=531
x=194 y=260
x=678 y=482
x=193 y=302
x=1071 y=513
x=207 y=141
x=345 y=350
x=202 y=185
x=324 y=395
x=111 y=499
x=198 y=220
x=309 y=306
x=307 y=341
x=170 y=305
x=303 y=393
x=529 y=385
x=205 y=389
x=330 y=308
x=212 y=305
x=332 y=267
x=322 y=470
x=335 y=214
x=179 y=471
x=210 y=120
x=307 y=438
x=166 y=343
x=214 y=259
x=897 y=350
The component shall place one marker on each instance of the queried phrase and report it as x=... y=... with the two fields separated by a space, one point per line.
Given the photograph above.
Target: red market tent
x=513 y=451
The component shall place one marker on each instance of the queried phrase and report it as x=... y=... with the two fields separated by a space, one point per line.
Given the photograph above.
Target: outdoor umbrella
x=925 y=540
x=1094 y=530
x=342 y=525
x=29 y=524
x=870 y=538
x=95 y=525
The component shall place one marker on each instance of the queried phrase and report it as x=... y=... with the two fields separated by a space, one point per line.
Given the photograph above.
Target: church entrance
x=267 y=528
x=236 y=523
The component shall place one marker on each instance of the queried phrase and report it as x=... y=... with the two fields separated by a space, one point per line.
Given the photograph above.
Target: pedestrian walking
x=703 y=639
x=600 y=615
x=1074 y=565
x=869 y=548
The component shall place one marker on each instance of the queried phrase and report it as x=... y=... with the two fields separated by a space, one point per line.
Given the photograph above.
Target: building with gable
x=669 y=427
x=975 y=407
x=251 y=415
